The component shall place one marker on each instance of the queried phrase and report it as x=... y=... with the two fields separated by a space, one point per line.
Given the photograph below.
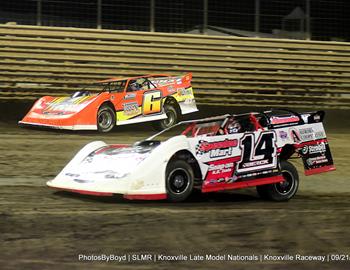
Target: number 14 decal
x=259 y=155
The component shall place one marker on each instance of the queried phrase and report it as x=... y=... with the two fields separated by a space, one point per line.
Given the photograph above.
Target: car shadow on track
x=196 y=198
x=143 y=127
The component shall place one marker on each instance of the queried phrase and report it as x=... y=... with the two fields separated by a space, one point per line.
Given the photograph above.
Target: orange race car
x=156 y=97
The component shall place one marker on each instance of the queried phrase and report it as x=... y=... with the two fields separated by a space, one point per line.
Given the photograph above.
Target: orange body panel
x=81 y=112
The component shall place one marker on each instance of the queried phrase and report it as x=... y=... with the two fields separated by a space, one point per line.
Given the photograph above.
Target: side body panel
x=147 y=105
x=237 y=160
x=252 y=158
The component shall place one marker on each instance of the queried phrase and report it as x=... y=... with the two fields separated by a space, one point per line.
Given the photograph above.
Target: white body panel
x=222 y=159
x=144 y=177
x=188 y=106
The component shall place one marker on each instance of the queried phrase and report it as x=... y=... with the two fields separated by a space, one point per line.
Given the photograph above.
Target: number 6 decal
x=152 y=102
x=261 y=155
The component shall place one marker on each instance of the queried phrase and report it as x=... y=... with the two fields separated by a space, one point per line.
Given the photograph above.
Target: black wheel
x=105 y=119
x=282 y=191
x=179 y=180
x=172 y=118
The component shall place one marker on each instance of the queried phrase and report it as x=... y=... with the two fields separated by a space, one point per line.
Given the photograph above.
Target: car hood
x=109 y=162
x=60 y=107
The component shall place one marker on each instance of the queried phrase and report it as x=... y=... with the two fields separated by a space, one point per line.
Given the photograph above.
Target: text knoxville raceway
x=156 y=97
x=212 y=154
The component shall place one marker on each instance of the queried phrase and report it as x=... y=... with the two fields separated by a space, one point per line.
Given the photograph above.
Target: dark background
x=329 y=18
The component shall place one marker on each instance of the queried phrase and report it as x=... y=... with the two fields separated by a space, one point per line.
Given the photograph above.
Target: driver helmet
x=134 y=86
x=233 y=127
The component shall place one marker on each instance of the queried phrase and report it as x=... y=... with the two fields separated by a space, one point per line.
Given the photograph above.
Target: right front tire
x=179 y=180
x=282 y=191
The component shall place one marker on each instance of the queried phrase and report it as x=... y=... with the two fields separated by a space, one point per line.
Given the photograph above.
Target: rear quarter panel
x=311 y=143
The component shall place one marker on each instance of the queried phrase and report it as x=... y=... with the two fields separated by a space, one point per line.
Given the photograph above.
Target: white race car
x=211 y=154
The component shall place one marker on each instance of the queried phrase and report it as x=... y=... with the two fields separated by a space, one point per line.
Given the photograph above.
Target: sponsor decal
x=283 y=135
x=320 y=135
x=316 y=155
x=220 y=168
x=72 y=174
x=130 y=108
x=221 y=171
x=162 y=82
x=317 y=117
x=216 y=149
x=305 y=150
x=255 y=163
x=130 y=96
x=307 y=134
x=264 y=173
x=314 y=149
x=189 y=101
x=171 y=89
x=316 y=160
x=295 y=135
x=82 y=181
x=184 y=92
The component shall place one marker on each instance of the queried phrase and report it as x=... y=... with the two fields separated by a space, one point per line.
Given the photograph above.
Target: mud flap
x=317 y=157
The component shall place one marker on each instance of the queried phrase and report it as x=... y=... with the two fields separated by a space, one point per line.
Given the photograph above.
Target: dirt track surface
x=43 y=229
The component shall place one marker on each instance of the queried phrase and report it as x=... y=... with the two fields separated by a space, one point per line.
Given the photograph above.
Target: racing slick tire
x=105 y=118
x=172 y=118
x=282 y=191
x=179 y=180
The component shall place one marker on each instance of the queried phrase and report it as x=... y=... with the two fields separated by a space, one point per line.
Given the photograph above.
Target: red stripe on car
x=320 y=170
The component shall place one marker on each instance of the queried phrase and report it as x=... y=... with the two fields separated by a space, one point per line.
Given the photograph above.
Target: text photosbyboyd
x=153 y=258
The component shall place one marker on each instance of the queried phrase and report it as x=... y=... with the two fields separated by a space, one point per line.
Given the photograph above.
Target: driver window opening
x=117 y=86
x=138 y=84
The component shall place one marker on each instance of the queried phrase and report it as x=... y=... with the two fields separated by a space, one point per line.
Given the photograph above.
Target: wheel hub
x=104 y=120
x=178 y=181
x=286 y=185
x=170 y=118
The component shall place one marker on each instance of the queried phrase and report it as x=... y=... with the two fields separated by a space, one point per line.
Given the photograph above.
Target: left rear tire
x=172 y=118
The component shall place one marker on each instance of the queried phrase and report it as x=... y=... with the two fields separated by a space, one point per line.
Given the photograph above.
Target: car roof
x=116 y=79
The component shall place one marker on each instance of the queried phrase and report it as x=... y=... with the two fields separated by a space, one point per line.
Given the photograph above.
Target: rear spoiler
x=283 y=117
x=187 y=77
x=313 y=117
